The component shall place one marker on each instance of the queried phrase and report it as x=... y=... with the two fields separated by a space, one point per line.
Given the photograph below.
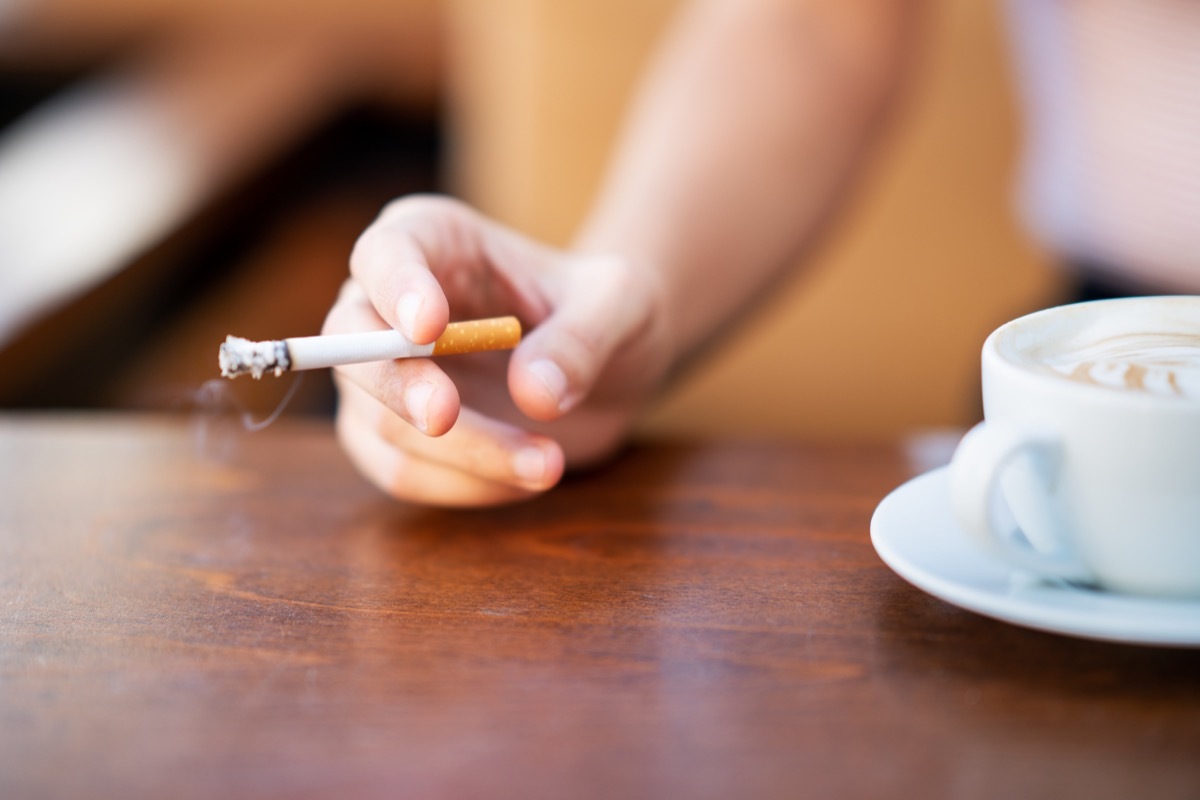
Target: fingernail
x=416 y=400
x=553 y=378
x=530 y=464
x=407 y=310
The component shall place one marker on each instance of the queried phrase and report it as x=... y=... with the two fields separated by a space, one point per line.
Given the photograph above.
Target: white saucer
x=915 y=534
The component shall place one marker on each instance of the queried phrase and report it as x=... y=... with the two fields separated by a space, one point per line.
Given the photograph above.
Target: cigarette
x=242 y=356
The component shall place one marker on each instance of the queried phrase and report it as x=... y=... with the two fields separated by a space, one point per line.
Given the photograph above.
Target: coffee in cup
x=1087 y=464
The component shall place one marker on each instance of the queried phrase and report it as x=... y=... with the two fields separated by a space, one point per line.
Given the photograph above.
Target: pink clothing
x=1111 y=167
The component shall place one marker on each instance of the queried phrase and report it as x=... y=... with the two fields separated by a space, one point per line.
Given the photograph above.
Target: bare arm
x=743 y=142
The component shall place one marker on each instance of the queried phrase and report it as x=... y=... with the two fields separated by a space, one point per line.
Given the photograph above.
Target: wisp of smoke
x=220 y=417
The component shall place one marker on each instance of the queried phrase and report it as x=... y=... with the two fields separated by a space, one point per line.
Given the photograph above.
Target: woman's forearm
x=745 y=136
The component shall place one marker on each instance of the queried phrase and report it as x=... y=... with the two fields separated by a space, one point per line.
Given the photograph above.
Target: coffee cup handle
x=979 y=461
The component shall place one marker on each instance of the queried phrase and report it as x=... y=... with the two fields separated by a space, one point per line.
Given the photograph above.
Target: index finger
x=394 y=258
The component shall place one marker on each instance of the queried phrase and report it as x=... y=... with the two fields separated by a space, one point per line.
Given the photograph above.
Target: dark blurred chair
x=173 y=171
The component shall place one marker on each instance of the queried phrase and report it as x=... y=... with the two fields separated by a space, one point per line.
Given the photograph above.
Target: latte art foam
x=1166 y=364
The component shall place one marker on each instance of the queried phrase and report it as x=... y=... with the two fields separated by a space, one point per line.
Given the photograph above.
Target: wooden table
x=243 y=617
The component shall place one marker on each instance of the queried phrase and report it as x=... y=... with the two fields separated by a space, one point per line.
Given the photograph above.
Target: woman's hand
x=491 y=428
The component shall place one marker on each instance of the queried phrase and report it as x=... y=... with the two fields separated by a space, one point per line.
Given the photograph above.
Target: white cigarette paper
x=243 y=357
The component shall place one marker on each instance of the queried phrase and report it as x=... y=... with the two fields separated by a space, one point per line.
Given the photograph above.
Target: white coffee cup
x=1091 y=434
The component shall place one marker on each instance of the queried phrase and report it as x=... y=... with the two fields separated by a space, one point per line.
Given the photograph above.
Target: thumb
x=605 y=304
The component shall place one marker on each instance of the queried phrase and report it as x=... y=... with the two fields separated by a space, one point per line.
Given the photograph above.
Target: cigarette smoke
x=220 y=419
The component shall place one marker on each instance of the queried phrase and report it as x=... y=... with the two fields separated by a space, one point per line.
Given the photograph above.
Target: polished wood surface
x=187 y=610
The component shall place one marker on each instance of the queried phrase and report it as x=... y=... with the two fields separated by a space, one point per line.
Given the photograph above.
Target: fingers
x=393 y=261
x=416 y=389
x=480 y=462
x=425 y=254
x=388 y=412
x=605 y=307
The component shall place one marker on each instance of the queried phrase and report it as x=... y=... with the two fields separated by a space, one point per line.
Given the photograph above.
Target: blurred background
x=172 y=171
